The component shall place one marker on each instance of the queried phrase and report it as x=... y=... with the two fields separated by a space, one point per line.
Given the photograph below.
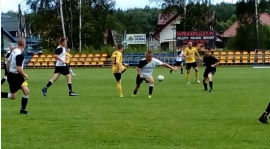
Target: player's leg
x=181 y=67
x=194 y=65
x=265 y=114
x=51 y=81
x=138 y=84
x=150 y=80
x=205 y=76
x=25 y=97
x=14 y=82
x=188 y=66
x=71 y=71
x=66 y=73
x=5 y=77
x=210 y=75
x=118 y=83
x=175 y=66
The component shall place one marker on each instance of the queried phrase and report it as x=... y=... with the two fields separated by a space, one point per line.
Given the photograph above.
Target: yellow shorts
x=24 y=84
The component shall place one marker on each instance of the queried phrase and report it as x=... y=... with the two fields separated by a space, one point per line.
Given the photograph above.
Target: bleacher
x=102 y=60
x=77 y=60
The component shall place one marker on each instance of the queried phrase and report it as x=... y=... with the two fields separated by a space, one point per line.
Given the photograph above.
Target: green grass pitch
x=179 y=116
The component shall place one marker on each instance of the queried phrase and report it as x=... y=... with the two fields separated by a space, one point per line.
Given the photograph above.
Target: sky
x=123 y=4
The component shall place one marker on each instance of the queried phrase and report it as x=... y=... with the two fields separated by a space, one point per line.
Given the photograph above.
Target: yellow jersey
x=190 y=53
x=67 y=57
x=117 y=58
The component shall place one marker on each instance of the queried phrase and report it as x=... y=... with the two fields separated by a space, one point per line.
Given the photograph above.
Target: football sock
x=268 y=109
x=48 y=84
x=211 y=84
x=119 y=88
x=71 y=71
x=3 y=80
x=69 y=87
x=5 y=95
x=24 y=102
x=187 y=77
x=151 y=87
x=135 y=91
x=205 y=85
x=196 y=74
x=181 y=70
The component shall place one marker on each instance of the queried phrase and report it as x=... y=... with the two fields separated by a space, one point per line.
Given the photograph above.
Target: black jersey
x=210 y=60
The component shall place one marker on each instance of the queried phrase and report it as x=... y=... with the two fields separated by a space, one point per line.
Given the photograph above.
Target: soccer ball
x=160 y=78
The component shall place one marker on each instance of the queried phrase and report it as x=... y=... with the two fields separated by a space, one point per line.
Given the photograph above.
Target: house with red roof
x=231 y=31
x=166 y=32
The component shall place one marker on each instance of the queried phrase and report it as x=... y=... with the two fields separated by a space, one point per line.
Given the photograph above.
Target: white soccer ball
x=160 y=78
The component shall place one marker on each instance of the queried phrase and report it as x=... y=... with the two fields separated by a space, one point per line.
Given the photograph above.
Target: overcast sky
x=124 y=4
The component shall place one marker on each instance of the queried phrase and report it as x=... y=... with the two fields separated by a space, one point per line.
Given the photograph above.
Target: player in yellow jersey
x=117 y=67
x=68 y=61
x=189 y=54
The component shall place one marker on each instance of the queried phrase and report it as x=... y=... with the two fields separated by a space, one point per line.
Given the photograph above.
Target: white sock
x=9 y=95
x=71 y=71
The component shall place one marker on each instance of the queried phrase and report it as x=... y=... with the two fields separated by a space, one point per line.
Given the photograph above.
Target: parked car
x=33 y=49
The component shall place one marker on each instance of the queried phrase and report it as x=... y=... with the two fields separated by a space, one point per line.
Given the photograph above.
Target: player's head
x=190 y=45
x=11 y=47
x=207 y=52
x=21 y=43
x=148 y=56
x=120 y=47
x=63 y=42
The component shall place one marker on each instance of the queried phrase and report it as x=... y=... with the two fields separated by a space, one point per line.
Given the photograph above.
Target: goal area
x=261 y=58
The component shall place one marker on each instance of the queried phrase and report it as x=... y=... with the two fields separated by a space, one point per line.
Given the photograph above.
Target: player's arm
x=184 y=53
x=216 y=62
x=198 y=54
x=57 y=52
x=203 y=63
x=19 y=63
x=139 y=67
x=7 y=65
x=117 y=63
x=158 y=62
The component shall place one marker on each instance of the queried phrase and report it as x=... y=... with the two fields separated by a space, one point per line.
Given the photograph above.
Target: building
x=231 y=31
x=167 y=30
x=152 y=43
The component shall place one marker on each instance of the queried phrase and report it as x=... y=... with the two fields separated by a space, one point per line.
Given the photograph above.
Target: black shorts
x=178 y=63
x=15 y=82
x=207 y=71
x=139 y=80
x=64 y=70
x=68 y=65
x=6 y=72
x=118 y=75
x=189 y=65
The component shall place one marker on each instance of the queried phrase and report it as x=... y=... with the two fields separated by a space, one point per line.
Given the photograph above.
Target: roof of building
x=6 y=32
x=231 y=31
x=164 y=18
x=168 y=21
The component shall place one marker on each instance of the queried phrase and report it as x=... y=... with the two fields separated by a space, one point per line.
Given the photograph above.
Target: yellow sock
x=196 y=74
x=119 y=89
x=187 y=77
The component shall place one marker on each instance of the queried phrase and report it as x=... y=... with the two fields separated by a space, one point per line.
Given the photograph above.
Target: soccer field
x=178 y=116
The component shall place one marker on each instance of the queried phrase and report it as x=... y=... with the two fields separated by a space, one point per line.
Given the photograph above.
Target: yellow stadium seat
x=81 y=59
x=237 y=61
x=222 y=57
x=245 y=53
x=104 y=55
x=79 y=63
x=75 y=59
x=70 y=55
x=86 y=63
x=259 y=60
x=100 y=63
x=222 y=61
x=97 y=55
x=230 y=57
x=237 y=53
x=88 y=59
x=72 y=63
x=267 y=52
x=252 y=52
x=96 y=59
x=103 y=59
x=259 y=52
x=44 y=64
x=47 y=59
x=90 y=55
x=251 y=60
x=216 y=53
x=40 y=59
x=49 y=56
x=230 y=61
x=223 y=53
x=267 y=60
x=230 y=53
x=237 y=57
x=51 y=63
x=33 y=60
x=35 y=56
x=53 y=59
x=30 y=64
x=245 y=61
x=77 y=55
x=83 y=55
x=93 y=63
x=43 y=56
x=37 y=64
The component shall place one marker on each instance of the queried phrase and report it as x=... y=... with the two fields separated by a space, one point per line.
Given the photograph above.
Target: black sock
x=3 y=81
x=181 y=70
x=135 y=92
x=70 y=87
x=151 y=90
x=268 y=109
x=4 y=95
x=205 y=86
x=24 y=103
x=211 y=84
x=48 y=84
